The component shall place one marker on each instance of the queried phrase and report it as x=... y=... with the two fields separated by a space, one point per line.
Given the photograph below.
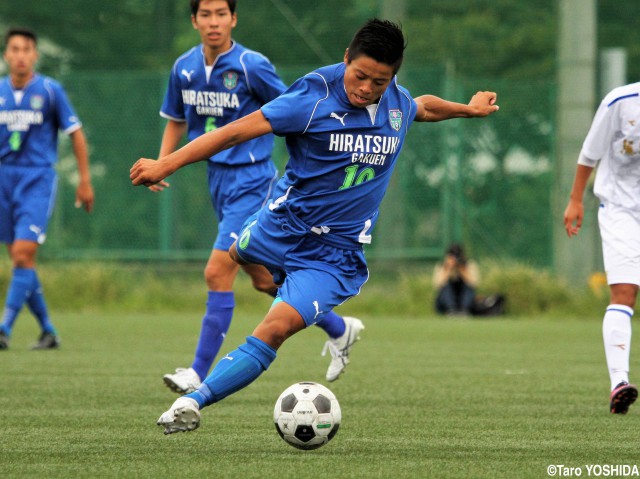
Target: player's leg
x=25 y=209
x=22 y=255
x=220 y=274
x=332 y=285
x=302 y=299
x=237 y=369
x=25 y=287
x=36 y=302
x=616 y=333
x=620 y=233
x=262 y=280
x=234 y=196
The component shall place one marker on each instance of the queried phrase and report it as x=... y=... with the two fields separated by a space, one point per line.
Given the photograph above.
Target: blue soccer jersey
x=30 y=120
x=341 y=156
x=240 y=82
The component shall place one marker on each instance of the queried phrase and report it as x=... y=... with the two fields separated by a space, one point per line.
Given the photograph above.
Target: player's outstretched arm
x=574 y=213
x=149 y=172
x=433 y=108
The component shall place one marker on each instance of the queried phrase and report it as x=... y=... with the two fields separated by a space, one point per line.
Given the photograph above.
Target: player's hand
x=148 y=172
x=573 y=215
x=84 y=196
x=483 y=103
x=159 y=186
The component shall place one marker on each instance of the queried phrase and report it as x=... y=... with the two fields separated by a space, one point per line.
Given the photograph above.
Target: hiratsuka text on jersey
x=368 y=149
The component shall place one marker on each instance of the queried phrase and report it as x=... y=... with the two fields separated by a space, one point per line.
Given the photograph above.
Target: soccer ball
x=307 y=415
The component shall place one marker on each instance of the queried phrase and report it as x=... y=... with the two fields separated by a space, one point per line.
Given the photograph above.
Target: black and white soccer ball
x=307 y=415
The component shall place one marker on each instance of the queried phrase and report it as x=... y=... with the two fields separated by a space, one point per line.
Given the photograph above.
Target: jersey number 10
x=353 y=178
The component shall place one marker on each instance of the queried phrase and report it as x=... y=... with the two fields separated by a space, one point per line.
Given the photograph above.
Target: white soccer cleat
x=182 y=416
x=340 y=347
x=184 y=381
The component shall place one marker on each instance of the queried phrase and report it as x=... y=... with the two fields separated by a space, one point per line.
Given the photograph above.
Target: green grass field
x=424 y=397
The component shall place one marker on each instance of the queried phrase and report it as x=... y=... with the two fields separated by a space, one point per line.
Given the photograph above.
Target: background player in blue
x=33 y=108
x=210 y=86
x=344 y=125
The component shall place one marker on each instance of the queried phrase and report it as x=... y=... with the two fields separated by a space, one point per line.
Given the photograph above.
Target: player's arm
x=148 y=172
x=574 y=213
x=433 y=108
x=84 y=191
x=173 y=133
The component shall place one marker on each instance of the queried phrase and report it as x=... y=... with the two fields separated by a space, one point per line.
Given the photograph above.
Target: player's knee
x=624 y=294
x=218 y=278
x=22 y=259
x=274 y=331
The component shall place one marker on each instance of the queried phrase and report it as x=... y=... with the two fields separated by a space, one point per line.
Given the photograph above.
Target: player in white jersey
x=614 y=141
x=344 y=125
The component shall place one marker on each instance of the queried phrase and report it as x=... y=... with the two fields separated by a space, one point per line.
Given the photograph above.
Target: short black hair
x=22 y=32
x=195 y=5
x=381 y=40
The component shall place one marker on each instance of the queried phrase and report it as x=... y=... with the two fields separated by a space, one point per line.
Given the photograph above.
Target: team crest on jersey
x=395 y=119
x=230 y=80
x=37 y=102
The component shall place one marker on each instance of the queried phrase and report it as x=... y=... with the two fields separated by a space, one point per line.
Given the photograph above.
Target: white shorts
x=620 y=233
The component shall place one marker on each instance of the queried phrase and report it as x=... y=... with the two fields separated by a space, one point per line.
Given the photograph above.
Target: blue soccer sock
x=332 y=324
x=215 y=325
x=38 y=306
x=235 y=371
x=19 y=290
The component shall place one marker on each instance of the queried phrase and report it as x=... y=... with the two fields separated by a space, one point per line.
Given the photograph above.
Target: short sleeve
x=601 y=132
x=172 y=106
x=292 y=111
x=262 y=78
x=66 y=116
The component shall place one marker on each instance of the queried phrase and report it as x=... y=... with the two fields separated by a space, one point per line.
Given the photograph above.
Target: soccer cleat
x=47 y=341
x=4 y=341
x=623 y=396
x=341 y=347
x=184 y=381
x=182 y=416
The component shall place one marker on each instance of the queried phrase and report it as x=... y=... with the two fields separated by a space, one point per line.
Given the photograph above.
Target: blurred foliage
x=487 y=38
x=144 y=287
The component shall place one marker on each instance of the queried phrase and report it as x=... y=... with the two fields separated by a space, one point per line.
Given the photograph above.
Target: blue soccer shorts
x=317 y=276
x=236 y=193
x=27 y=198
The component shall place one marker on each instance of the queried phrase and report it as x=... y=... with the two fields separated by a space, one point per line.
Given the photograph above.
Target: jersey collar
x=220 y=55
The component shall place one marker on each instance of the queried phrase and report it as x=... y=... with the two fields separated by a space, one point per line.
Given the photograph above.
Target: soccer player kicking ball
x=33 y=108
x=344 y=126
x=211 y=85
x=613 y=140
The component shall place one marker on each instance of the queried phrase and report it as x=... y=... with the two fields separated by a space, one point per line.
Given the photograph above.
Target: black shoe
x=47 y=341
x=4 y=341
x=623 y=396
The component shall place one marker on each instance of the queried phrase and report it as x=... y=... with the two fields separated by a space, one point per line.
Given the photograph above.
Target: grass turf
x=423 y=397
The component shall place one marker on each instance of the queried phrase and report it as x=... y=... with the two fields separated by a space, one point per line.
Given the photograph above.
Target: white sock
x=616 y=333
